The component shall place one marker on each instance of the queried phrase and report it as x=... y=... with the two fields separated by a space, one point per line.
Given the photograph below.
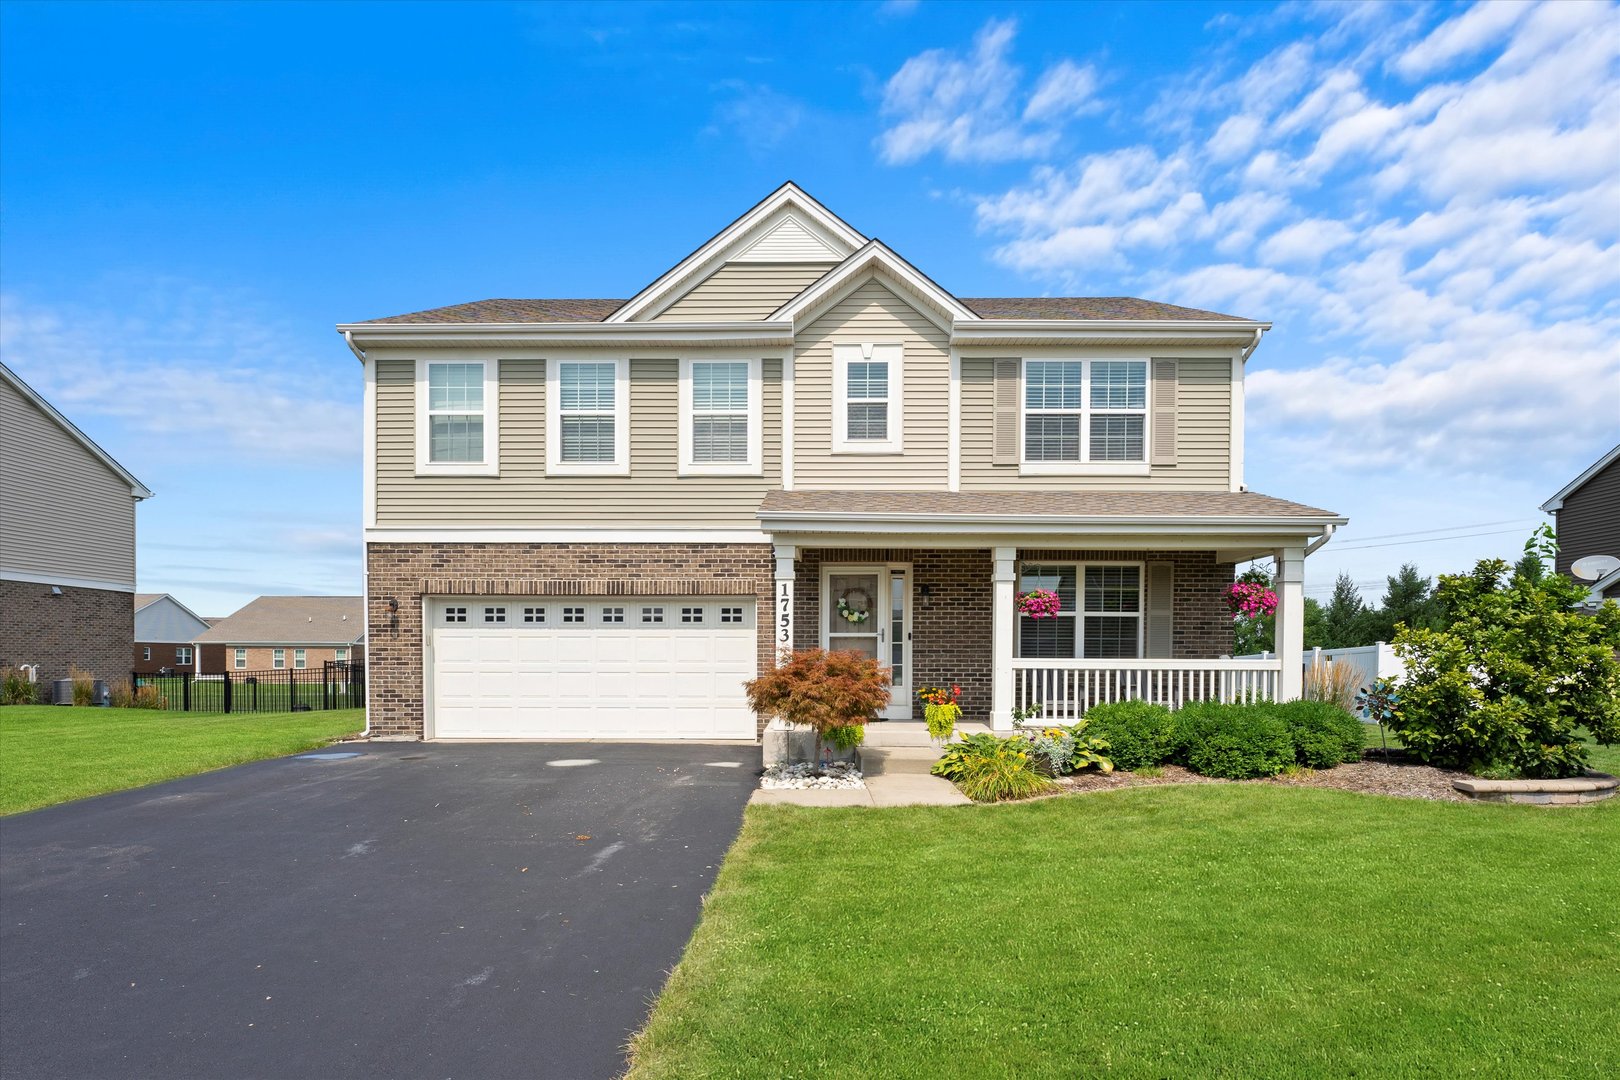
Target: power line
x=1430 y=540
x=1453 y=528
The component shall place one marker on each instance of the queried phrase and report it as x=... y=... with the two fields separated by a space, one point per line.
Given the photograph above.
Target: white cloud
x=188 y=364
x=1481 y=25
x=965 y=106
x=1306 y=241
x=759 y=116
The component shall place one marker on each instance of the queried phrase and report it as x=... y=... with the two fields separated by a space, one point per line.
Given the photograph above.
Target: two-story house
x=67 y=544
x=598 y=518
x=1586 y=516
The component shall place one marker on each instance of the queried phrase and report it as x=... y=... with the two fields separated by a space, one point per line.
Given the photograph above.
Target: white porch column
x=1001 y=638
x=1290 y=621
x=787 y=560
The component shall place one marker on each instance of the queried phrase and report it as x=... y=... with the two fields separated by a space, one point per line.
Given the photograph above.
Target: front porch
x=1143 y=613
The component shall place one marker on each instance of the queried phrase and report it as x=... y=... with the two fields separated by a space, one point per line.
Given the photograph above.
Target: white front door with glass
x=867 y=609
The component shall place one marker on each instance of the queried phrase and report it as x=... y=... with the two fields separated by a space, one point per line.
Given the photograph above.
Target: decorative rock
x=840 y=774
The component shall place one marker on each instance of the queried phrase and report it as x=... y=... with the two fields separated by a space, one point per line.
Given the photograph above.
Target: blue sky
x=1425 y=199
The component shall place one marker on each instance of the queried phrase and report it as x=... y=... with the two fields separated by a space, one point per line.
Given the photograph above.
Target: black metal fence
x=336 y=684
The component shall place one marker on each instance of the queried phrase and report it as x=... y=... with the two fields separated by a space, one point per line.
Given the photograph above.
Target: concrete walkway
x=887 y=789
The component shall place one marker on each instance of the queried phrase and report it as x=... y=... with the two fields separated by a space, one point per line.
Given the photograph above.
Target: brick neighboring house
x=67 y=544
x=1586 y=516
x=598 y=518
x=275 y=633
x=165 y=630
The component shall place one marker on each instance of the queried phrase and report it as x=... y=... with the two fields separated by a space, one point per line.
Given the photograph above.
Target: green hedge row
x=1238 y=742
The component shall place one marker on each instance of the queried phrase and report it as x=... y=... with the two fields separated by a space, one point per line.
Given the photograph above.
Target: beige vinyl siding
x=743 y=292
x=1203 y=434
x=873 y=313
x=61 y=510
x=652 y=496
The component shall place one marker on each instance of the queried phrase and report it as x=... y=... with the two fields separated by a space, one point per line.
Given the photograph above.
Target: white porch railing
x=1067 y=688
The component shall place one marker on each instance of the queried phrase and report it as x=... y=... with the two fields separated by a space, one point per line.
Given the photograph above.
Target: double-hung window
x=1100 y=614
x=457 y=430
x=1082 y=415
x=182 y=654
x=278 y=659
x=588 y=417
x=239 y=659
x=300 y=659
x=868 y=413
x=721 y=422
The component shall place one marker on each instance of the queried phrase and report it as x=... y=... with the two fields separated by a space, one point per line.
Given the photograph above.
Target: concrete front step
x=892 y=760
x=909 y=733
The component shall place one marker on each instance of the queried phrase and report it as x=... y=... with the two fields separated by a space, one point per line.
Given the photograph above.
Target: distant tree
x=1344 y=620
x=1252 y=635
x=1408 y=601
x=1530 y=568
x=1315 y=624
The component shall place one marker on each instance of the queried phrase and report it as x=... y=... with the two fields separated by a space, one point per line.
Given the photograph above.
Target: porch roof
x=1054 y=507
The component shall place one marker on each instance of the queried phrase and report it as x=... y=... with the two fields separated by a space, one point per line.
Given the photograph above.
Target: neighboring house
x=1586 y=516
x=598 y=518
x=275 y=633
x=164 y=632
x=67 y=543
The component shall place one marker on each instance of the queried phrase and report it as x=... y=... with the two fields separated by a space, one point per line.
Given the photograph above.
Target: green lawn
x=1221 y=930
x=50 y=754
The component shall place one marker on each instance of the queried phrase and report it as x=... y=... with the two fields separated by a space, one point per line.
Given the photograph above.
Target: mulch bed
x=1373 y=775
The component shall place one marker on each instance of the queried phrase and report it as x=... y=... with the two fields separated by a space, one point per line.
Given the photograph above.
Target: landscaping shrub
x=826 y=691
x=17 y=690
x=1326 y=680
x=84 y=687
x=1063 y=750
x=1235 y=742
x=989 y=768
x=1513 y=676
x=1324 y=734
x=1139 y=735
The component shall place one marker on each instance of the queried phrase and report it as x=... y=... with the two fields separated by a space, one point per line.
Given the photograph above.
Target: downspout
x=365 y=571
x=1247 y=352
x=348 y=339
x=1320 y=540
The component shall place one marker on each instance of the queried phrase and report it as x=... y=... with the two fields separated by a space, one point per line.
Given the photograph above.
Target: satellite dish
x=1594 y=567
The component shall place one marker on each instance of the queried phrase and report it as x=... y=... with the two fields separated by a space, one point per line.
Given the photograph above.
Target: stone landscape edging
x=1576 y=791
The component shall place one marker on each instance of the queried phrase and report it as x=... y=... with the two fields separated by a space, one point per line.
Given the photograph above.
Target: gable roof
x=875 y=256
x=292 y=620
x=29 y=394
x=1557 y=501
x=510 y=311
x=835 y=235
x=147 y=599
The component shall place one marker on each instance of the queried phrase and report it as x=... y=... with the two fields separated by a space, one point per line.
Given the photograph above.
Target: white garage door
x=592 y=668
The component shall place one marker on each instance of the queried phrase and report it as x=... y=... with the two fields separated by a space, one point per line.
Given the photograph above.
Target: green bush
x=17 y=690
x=1064 y=750
x=1139 y=735
x=991 y=769
x=1324 y=734
x=1235 y=742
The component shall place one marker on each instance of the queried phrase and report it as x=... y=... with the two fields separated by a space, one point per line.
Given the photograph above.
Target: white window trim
x=620 y=465
x=278 y=659
x=1085 y=466
x=239 y=659
x=340 y=653
x=300 y=659
x=491 y=465
x=1079 y=614
x=856 y=352
x=182 y=654
x=147 y=654
x=755 y=465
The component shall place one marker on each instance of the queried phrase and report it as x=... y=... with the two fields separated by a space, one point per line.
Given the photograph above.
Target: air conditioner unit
x=62 y=692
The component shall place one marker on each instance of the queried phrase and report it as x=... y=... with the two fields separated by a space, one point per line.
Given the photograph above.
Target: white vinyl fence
x=1376 y=661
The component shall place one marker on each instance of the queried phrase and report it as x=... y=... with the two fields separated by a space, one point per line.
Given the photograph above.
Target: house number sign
x=784 y=614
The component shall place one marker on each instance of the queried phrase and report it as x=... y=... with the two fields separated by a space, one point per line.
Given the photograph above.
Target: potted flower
x=942 y=709
x=1040 y=604
x=1250 y=599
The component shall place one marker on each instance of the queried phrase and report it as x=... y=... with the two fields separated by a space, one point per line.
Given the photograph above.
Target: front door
x=867 y=609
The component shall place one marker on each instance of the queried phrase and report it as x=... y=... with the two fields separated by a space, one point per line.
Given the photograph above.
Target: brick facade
x=951 y=594
x=89 y=629
x=162 y=658
x=217 y=658
x=405 y=573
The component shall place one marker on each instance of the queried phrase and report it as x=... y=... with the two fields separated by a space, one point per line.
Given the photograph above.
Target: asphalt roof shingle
x=1078 y=308
x=1043 y=504
x=292 y=620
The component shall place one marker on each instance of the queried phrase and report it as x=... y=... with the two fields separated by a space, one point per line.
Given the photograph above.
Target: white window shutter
x=1164 y=412
x=1161 y=602
x=1006 y=412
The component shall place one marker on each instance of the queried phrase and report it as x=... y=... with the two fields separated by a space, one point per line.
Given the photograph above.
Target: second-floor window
x=867 y=403
x=457 y=429
x=720 y=417
x=588 y=416
x=1085 y=412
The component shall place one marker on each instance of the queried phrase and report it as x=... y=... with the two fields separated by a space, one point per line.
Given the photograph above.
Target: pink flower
x=1250 y=600
x=1040 y=604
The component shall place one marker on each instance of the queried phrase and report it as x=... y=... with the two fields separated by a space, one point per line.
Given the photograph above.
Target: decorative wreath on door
x=855 y=605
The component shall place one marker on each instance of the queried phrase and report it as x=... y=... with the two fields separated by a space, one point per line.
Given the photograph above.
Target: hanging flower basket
x=1040 y=604
x=1250 y=600
x=942 y=709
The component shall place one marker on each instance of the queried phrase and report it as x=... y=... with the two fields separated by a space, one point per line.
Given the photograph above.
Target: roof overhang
x=876 y=258
x=601 y=335
x=996 y=332
x=1557 y=501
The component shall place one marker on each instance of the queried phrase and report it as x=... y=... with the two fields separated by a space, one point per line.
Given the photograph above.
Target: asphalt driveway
x=419 y=910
